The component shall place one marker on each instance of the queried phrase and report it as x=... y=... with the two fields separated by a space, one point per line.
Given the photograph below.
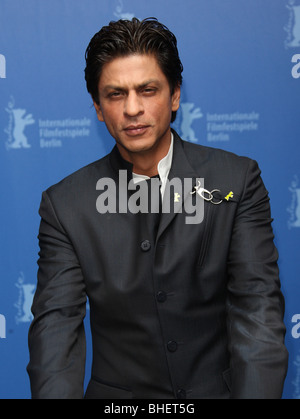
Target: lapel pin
x=230 y=195
x=205 y=194
x=177 y=197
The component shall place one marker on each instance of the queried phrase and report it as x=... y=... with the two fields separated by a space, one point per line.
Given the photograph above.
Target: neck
x=146 y=162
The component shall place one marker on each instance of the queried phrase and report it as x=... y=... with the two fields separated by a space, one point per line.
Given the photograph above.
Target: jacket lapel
x=180 y=170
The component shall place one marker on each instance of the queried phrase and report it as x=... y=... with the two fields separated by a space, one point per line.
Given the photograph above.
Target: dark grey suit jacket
x=194 y=311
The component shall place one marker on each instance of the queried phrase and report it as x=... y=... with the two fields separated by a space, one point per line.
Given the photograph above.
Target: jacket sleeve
x=56 y=336
x=255 y=304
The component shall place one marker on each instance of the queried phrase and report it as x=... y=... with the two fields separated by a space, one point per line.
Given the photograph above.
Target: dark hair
x=125 y=37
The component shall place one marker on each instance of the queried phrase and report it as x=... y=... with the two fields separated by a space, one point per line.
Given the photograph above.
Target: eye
x=149 y=90
x=114 y=94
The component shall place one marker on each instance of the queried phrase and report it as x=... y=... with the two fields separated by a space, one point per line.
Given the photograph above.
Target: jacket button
x=145 y=246
x=172 y=346
x=181 y=394
x=161 y=297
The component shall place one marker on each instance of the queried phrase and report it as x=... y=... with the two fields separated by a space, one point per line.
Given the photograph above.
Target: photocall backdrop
x=241 y=92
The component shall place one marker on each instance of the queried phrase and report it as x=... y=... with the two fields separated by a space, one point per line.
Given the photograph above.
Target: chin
x=138 y=146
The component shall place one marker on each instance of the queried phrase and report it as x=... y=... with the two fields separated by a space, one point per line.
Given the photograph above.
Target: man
x=179 y=309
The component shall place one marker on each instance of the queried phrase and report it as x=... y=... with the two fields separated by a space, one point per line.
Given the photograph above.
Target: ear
x=176 y=98
x=98 y=111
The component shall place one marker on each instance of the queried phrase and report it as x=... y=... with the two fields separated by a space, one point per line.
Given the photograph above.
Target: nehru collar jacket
x=190 y=310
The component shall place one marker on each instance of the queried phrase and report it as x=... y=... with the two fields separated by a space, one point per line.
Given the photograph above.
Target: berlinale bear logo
x=18 y=121
x=294 y=208
x=121 y=14
x=293 y=26
x=186 y=115
x=25 y=298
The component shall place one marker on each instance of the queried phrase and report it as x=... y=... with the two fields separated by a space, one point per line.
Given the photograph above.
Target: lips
x=134 y=130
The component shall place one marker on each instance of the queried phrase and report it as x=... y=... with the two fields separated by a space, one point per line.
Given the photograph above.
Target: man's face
x=136 y=103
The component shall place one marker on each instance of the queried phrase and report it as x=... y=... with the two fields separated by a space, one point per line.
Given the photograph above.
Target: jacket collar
x=180 y=167
x=118 y=163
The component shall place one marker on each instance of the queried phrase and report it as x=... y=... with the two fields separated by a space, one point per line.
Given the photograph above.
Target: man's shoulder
x=195 y=152
x=217 y=163
x=219 y=167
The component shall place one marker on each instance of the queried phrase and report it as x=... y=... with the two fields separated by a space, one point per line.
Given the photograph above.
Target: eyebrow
x=136 y=87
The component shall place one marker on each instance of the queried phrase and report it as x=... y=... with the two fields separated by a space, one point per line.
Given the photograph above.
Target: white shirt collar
x=163 y=167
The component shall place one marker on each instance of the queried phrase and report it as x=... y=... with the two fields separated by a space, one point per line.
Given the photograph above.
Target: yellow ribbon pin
x=176 y=197
x=230 y=195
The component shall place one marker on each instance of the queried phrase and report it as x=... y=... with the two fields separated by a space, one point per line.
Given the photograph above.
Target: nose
x=133 y=105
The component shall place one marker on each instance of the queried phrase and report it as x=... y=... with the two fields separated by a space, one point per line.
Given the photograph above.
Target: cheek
x=160 y=109
x=112 y=116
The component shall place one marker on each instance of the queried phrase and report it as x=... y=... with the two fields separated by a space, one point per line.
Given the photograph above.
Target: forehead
x=131 y=71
